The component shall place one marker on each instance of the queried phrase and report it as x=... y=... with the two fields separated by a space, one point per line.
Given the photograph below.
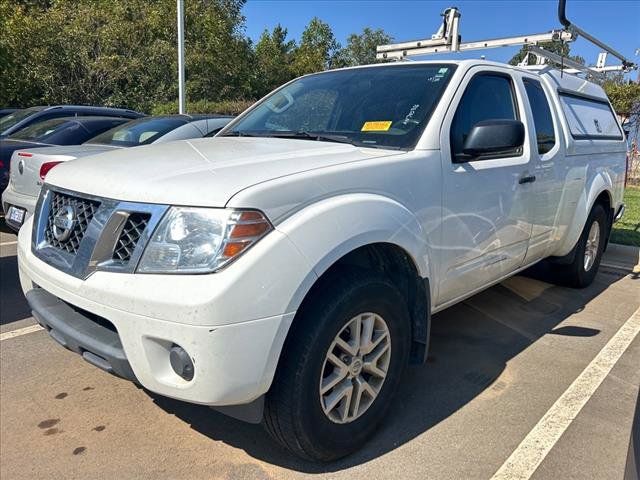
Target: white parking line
x=19 y=332
x=526 y=458
x=5 y=244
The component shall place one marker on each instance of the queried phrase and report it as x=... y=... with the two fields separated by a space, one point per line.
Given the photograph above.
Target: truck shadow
x=13 y=306
x=470 y=346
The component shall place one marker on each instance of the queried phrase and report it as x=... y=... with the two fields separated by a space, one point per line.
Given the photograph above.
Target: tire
x=581 y=272
x=295 y=407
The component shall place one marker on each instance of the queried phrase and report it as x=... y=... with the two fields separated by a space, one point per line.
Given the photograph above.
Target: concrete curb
x=622 y=256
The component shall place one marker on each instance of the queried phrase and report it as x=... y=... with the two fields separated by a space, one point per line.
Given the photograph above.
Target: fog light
x=181 y=362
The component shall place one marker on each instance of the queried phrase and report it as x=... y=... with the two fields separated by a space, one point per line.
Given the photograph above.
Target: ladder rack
x=448 y=39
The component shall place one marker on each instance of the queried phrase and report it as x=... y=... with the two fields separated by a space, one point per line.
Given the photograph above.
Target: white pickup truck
x=285 y=271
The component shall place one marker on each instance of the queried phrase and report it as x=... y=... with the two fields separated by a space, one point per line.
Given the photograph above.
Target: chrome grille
x=84 y=212
x=130 y=235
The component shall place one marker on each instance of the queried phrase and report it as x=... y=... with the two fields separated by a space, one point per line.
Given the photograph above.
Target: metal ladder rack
x=448 y=39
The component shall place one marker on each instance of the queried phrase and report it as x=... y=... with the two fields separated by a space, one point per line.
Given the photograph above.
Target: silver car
x=29 y=167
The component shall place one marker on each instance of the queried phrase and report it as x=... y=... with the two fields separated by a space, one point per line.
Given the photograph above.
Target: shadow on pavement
x=4 y=228
x=470 y=346
x=13 y=305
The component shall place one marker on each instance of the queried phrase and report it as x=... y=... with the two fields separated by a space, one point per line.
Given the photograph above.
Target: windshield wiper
x=304 y=135
x=238 y=133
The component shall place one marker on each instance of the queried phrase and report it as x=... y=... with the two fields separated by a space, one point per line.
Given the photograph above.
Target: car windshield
x=383 y=107
x=11 y=119
x=40 y=130
x=138 y=132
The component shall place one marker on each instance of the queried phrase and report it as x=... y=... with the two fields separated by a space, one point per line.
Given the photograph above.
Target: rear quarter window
x=589 y=118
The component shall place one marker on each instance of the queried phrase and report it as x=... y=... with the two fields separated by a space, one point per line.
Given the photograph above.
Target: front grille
x=130 y=235
x=84 y=211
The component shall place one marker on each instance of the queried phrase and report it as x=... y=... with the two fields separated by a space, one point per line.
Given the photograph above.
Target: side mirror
x=494 y=137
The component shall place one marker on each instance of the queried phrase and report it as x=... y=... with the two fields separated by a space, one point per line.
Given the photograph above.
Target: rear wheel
x=341 y=365
x=588 y=251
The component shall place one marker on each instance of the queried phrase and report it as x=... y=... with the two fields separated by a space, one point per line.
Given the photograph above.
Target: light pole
x=181 y=97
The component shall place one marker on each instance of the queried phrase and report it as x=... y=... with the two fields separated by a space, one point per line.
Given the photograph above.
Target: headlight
x=201 y=240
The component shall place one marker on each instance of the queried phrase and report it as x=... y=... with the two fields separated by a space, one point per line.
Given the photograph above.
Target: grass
x=627 y=230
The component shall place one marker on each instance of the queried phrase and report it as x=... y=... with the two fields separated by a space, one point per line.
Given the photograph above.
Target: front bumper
x=235 y=352
x=11 y=197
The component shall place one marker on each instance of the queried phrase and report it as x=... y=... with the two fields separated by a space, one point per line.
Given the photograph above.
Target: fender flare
x=354 y=221
x=602 y=182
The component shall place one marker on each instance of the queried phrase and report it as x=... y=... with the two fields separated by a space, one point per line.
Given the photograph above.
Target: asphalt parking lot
x=504 y=366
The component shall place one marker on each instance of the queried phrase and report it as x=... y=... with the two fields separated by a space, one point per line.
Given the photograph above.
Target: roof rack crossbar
x=447 y=39
x=565 y=62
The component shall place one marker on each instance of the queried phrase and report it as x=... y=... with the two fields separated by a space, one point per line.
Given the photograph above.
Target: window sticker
x=378 y=126
x=409 y=118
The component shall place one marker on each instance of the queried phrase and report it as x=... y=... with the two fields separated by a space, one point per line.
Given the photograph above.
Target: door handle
x=527 y=179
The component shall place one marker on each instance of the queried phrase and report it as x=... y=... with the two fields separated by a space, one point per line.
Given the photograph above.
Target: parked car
x=29 y=167
x=56 y=131
x=16 y=121
x=286 y=270
x=6 y=111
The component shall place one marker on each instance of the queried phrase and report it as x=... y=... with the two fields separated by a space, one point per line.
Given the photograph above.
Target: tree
x=361 y=48
x=318 y=48
x=274 y=56
x=624 y=97
x=561 y=48
x=119 y=53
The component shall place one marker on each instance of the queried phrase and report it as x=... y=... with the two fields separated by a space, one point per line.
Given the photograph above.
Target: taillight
x=45 y=167
x=25 y=154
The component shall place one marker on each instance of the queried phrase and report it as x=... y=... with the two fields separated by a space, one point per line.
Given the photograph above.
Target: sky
x=615 y=22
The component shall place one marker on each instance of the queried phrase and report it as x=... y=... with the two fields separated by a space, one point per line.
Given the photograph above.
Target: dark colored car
x=56 y=131
x=7 y=111
x=16 y=121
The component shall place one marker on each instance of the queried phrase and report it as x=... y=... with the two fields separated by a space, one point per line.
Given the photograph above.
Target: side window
x=589 y=118
x=545 y=134
x=487 y=97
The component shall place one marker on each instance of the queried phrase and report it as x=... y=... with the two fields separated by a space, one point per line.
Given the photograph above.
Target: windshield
x=383 y=107
x=10 y=120
x=138 y=132
x=40 y=130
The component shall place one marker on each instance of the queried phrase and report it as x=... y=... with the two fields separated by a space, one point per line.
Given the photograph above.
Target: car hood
x=200 y=172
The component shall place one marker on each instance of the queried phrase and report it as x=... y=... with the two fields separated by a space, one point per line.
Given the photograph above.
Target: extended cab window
x=382 y=107
x=545 y=134
x=487 y=97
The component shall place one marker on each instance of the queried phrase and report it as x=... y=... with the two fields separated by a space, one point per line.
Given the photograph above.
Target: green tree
x=561 y=48
x=274 y=56
x=317 y=50
x=119 y=53
x=361 y=48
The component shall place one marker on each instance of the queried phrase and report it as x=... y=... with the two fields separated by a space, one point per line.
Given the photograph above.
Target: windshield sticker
x=378 y=126
x=409 y=118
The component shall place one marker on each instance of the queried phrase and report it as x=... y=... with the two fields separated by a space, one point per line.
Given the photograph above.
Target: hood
x=201 y=172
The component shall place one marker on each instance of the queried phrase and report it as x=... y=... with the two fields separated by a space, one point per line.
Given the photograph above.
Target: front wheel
x=341 y=365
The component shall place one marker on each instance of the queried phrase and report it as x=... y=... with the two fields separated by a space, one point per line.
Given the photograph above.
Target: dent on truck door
x=487 y=216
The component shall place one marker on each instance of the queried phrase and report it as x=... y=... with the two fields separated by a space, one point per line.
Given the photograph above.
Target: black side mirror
x=494 y=137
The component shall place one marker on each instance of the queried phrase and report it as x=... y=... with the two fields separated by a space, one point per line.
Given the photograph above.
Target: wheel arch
x=373 y=232
x=601 y=191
